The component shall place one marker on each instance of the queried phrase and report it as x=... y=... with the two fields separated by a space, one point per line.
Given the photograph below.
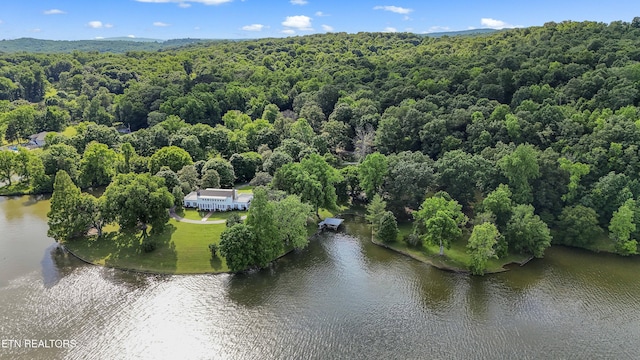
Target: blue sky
x=232 y=19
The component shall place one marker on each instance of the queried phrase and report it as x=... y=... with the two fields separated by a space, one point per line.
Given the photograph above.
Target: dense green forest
x=501 y=136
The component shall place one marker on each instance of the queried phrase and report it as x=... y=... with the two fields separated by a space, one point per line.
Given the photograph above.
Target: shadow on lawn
x=216 y=262
x=127 y=250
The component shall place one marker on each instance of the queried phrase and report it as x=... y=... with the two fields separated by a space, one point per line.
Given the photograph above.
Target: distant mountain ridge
x=472 y=32
x=114 y=45
x=124 y=44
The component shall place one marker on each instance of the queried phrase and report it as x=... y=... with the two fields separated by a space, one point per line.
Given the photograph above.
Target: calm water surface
x=341 y=298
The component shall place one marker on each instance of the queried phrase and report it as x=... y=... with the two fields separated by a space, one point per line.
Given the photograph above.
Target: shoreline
x=450 y=268
x=149 y=272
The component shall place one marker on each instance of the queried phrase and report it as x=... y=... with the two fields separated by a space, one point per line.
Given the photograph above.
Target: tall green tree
x=526 y=232
x=97 y=166
x=210 y=179
x=133 y=199
x=621 y=226
x=90 y=209
x=439 y=220
x=375 y=210
x=8 y=161
x=172 y=156
x=520 y=167
x=65 y=221
x=480 y=248
x=238 y=246
x=61 y=157
x=224 y=170
x=499 y=203
x=372 y=172
x=576 y=171
x=578 y=226
x=387 y=228
x=261 y=220
x=318 y=168
x=38 y=179
x=291 y=215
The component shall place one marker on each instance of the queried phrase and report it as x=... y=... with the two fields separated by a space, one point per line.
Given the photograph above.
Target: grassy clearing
x=193 y=214
x=224 y=215
x=70 y=131
x=245 y=189
x=455 y=258
x=182 y=248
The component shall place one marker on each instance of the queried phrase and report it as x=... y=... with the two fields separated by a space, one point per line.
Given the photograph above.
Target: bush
x=148 y=245
x=232 y=220
x=261 y=179
x=213 y=248
x=413 y=240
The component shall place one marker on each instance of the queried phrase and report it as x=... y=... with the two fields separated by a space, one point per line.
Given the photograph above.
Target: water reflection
x=342 y=297
x=56 y=264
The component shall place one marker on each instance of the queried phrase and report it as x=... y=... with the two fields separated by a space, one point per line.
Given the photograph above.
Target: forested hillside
x=525 y=128
x=111 y=45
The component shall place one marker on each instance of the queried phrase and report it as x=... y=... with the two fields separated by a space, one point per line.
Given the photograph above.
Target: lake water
x=341 y=298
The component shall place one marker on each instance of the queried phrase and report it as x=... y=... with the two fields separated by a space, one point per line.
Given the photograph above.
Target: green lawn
x=245 y=189
x=224 y=215
x=193 y=214
x=182 y=248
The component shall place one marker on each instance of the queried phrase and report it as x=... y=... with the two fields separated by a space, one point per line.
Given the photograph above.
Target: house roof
x=331 y=222
x=192 y=196
x=39 y=136
x=217 y=193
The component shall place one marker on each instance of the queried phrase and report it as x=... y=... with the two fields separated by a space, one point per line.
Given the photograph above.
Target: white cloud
x=390 y=29
x=288 y=31
x=321 y=14
x=36 y=30
x=327 y=28
x=98 y=25
x=53 y=12
x=395 y=9
x=99 y=37
x=299 y=2
x=131 y=36
x=495 y=24
x=253 y=27
x=300 y=22
x=182 y=2
x=184 y=5
x=161 y=24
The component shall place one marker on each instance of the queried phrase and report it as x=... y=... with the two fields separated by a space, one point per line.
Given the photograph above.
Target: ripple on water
x=340 y=298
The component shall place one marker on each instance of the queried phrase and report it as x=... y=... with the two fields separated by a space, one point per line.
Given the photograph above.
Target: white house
x=218 y=200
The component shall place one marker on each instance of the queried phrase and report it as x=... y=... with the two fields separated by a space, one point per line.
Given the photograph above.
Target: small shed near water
x=331 y=223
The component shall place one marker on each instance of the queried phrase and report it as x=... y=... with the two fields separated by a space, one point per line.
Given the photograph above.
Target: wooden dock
x=330 y=223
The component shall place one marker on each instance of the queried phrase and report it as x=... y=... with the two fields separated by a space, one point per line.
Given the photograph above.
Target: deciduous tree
x=439 y=220
x=480 y=248
x=526 y=232
x=387 y=228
